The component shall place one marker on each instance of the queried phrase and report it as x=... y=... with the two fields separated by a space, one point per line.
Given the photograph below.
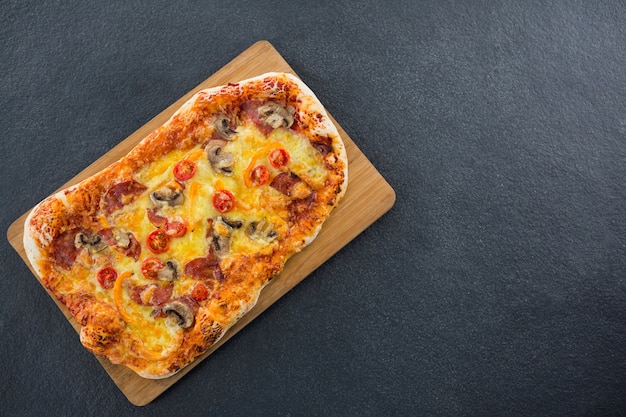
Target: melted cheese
x=253 y=203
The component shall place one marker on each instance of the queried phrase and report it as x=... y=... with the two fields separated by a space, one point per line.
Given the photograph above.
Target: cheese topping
x=254 y=210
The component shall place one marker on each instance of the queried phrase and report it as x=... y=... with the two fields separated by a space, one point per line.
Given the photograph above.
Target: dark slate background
x=495 y=286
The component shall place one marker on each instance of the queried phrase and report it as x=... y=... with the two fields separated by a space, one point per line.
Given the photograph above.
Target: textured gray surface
x=495 y=286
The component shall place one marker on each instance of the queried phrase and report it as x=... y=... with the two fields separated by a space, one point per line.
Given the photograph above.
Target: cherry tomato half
x=223 y=201
x=175 y=228
x=150 y=267
x=158 y=241
x=259 y=175
x=279 y=158
x=185 y=169
x=200 y=292
x=106 y=277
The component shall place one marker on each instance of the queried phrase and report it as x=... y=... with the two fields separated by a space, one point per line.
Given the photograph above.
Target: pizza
x=159 y=254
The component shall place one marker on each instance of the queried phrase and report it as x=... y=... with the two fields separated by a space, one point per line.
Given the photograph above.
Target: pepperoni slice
x=134 y=250
x=120 y=194
x=205 y=268
x=151 y=294
x=322 y=148
x=64 y=250
x=122 y=241
x=161 y=295
x=250 y=110
x=284 y=182
x=136 y=292
x=175 y=228
x=155 y=218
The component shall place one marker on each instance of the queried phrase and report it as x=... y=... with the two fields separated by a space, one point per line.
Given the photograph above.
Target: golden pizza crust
x=122 y=319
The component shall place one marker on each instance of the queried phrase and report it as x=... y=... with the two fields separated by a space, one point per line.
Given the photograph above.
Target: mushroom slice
x=221 y=245
x=275 y=115
x=235 y=224
x=223 y=127
x=92 y=241
x=262 y=231
x=171 y=194
x=169 y=272
x=178 y=314
x=220 y=237
x=221 y=162
x=122 y=238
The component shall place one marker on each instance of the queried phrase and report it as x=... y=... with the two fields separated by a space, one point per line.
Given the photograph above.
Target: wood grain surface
x=368 y=197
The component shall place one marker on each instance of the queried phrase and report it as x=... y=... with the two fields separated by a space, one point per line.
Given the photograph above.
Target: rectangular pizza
x=159 y=254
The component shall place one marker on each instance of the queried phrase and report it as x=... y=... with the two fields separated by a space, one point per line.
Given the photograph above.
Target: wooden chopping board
x=368 y=197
